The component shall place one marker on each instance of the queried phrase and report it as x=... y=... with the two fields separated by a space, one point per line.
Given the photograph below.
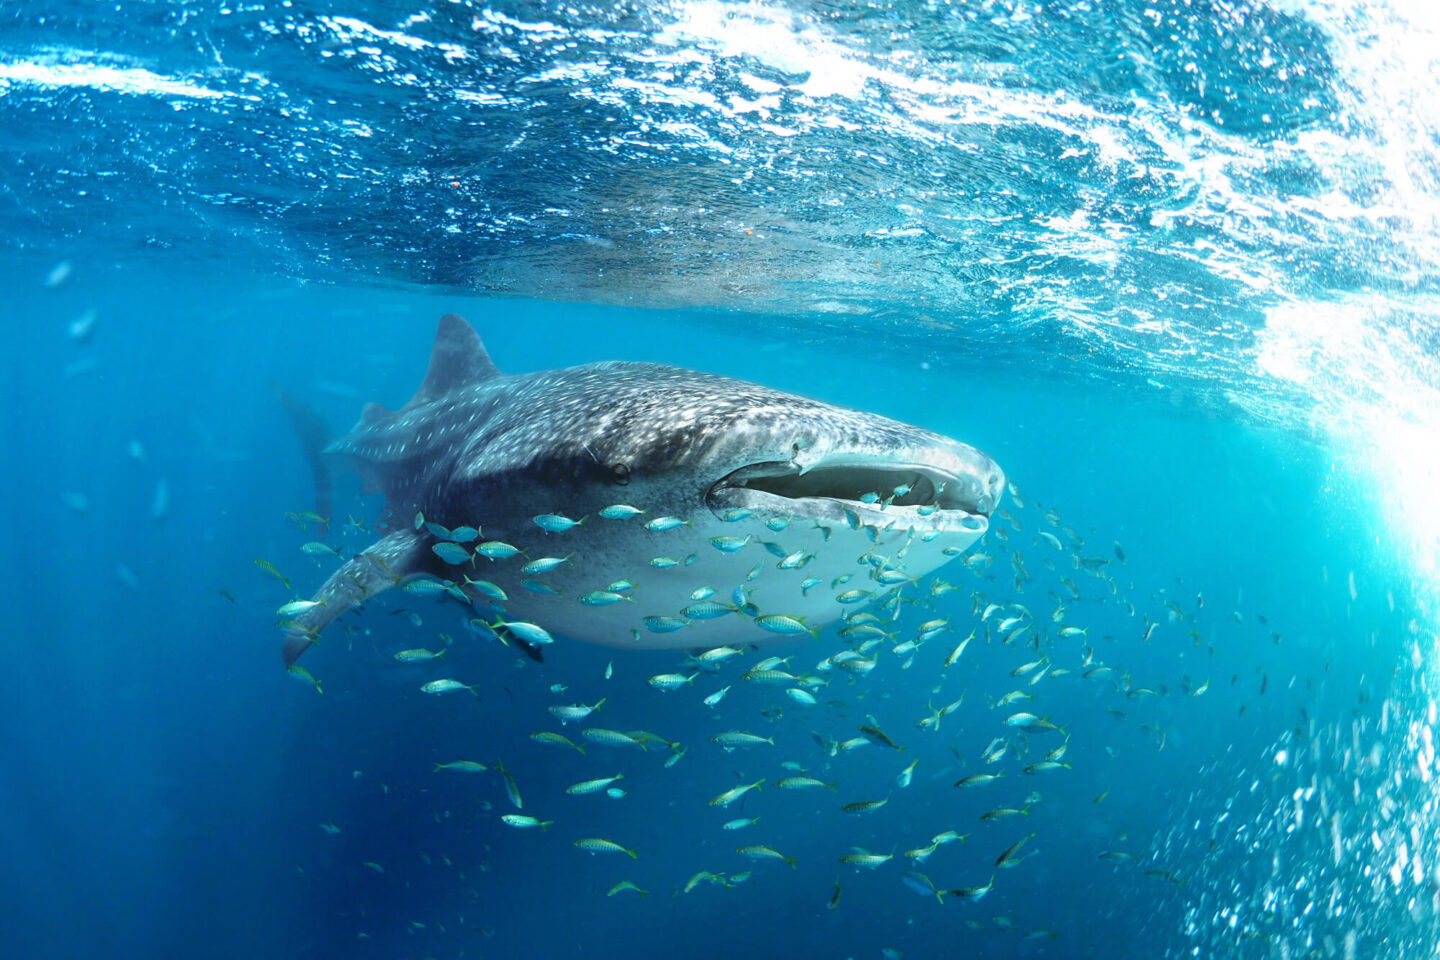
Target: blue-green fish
x=451 y=553
x=497 y=549
x=556 y=523
x=603 y=598
x=545 y=564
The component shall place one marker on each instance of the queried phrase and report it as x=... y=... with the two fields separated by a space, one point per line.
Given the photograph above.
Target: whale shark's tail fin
x=314 y=434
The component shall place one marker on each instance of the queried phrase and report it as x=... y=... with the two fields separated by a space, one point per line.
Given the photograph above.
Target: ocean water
x=1172 y=264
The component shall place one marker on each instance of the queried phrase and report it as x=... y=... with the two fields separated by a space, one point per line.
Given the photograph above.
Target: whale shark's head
x=696 y=440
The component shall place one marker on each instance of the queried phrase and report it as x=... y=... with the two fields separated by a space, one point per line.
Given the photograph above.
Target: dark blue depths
x=166 y=781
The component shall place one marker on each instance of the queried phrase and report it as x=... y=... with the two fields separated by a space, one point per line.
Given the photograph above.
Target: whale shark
x=639 y=505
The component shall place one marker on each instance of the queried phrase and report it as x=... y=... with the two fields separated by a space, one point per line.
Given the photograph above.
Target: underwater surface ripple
x=1172 y=264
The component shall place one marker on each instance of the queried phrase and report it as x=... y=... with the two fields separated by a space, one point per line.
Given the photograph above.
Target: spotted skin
x=477 y=447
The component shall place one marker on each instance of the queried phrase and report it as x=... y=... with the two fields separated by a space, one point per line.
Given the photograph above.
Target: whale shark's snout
x=816 y=460
x=941 y=486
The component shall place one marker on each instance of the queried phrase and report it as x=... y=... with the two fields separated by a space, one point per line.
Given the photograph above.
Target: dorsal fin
x=457 y=359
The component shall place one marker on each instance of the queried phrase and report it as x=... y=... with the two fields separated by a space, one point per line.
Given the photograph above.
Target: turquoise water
x=1172 y=267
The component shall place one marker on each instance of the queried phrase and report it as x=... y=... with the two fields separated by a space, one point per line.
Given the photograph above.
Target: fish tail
x=791 y=861
x=314 y=434
x=632 y=854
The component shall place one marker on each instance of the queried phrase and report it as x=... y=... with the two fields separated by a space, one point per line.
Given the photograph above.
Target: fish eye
x=621 y=474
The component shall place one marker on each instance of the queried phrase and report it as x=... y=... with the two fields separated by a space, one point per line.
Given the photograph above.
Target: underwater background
x=1172 y=264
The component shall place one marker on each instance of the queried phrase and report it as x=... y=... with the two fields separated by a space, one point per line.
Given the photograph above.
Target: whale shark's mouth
x=877 y=491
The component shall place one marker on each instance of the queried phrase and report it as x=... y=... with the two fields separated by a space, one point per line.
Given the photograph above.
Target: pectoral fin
x=388 y=562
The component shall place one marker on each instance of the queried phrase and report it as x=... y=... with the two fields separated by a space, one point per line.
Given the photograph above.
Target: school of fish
x=894 y=632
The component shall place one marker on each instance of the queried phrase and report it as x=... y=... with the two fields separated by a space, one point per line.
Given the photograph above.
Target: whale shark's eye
x=621 y=474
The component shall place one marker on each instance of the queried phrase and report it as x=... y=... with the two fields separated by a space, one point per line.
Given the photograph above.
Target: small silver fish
x=731 y=739
x=451 y=553
x=545 y=564
x=575 y=711
x=592 y=786
x=784 y=625
x=529 y=632
x=418 y=655
x=735 y=793
x=556 y=523
x=296 y=607
x=597 y=845
x=729 y=544
x=447 y=685
x=603 y=598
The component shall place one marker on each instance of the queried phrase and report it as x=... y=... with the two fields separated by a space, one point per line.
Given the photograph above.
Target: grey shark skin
x=476 y=447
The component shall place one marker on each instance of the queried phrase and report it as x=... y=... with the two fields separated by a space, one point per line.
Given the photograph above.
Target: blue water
x=1172 y=267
